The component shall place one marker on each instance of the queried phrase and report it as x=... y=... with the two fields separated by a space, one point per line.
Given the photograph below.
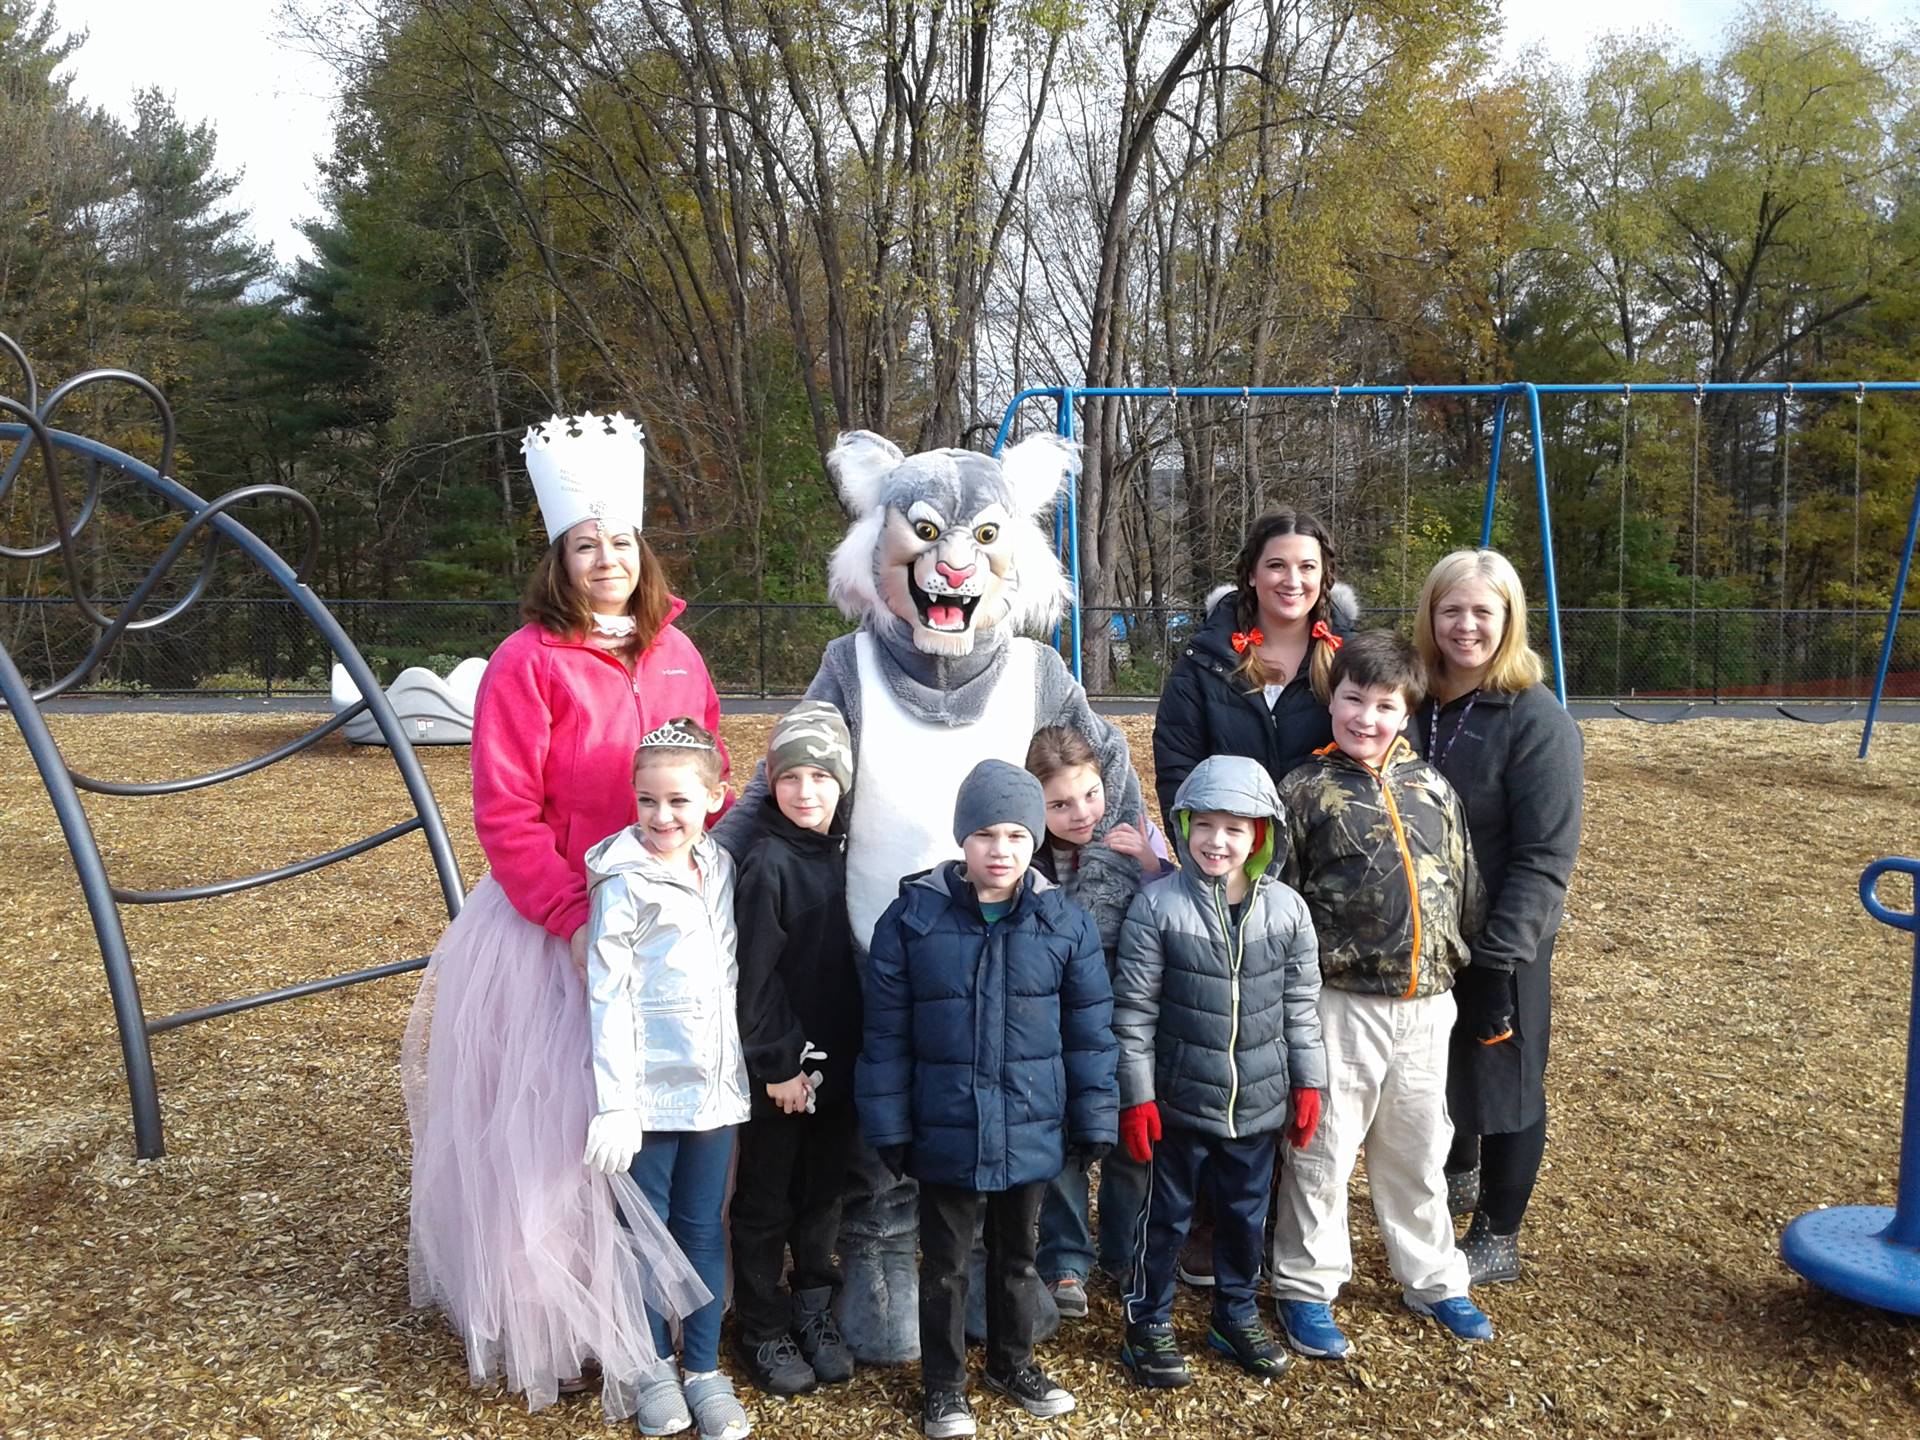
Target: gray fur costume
x=945 y=561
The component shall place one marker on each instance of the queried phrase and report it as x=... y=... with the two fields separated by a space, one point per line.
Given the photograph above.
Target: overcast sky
x=272 y=106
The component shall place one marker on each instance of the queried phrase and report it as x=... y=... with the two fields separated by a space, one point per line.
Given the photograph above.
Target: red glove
x=1306 y=1118
x=1139 y=1128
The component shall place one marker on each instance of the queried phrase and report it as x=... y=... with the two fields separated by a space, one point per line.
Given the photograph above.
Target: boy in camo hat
x=800 y=1023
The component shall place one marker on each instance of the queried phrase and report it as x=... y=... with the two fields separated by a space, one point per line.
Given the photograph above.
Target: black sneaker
x=1154 y=1357
x=1248 y=1345
x=777 y=1366
x=1030 y=1389
x=946 y=1415
x=821 y=1343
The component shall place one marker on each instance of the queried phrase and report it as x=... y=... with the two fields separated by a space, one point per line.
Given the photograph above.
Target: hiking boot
x=821 y=1343
x=1195 y=1265
x=716 y=1407
x=1309 y=1328
x=660 y=1408
x=1069 y=1296
x=1154 y=1357
x=1491 y=1259
x=1463 y=1191
x=946 y=1415
x=1030 y=1389
x=1248 y=1345
x=1462 y=1319
x=777 y=1366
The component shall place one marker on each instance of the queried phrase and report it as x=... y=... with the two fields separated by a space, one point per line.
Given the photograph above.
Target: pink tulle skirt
x=520 y=1243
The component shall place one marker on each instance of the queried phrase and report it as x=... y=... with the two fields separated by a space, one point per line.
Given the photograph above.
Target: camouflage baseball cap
x=812 y=733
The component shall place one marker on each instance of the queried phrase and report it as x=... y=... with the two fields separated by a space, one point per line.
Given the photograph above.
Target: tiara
x=677 y=735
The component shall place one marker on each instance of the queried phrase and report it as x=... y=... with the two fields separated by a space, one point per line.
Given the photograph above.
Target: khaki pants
x=1387 y=1076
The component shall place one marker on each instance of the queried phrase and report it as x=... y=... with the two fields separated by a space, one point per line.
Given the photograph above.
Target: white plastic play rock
x=432 y=710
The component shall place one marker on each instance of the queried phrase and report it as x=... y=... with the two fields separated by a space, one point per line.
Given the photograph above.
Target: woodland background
x=754 y=223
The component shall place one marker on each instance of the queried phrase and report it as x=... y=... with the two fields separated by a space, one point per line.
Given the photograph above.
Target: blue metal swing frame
x=1067 y=517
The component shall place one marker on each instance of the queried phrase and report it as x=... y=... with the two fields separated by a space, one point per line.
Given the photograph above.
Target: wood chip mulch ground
x=1730 y=1051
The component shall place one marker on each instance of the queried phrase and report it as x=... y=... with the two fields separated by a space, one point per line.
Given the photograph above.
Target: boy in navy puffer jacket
x=988 y=1064
x=1216 y=1008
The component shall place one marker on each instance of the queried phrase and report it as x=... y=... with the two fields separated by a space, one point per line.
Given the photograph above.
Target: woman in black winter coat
x=1253 y=679
x=1514 y=754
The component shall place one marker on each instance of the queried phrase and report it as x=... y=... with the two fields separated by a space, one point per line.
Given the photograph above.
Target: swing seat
x=1822 y=719
x=1670 y=715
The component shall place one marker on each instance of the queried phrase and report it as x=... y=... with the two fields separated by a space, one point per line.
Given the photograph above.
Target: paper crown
x=587 y=467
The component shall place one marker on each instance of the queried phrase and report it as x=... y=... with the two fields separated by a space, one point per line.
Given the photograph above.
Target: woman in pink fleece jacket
x=519 y=1242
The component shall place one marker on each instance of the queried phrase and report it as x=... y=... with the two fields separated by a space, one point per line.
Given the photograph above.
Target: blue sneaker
x=1309 y=1329
x=1464 y=1319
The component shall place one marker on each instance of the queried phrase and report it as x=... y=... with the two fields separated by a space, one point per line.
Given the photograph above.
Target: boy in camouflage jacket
x=1378 y=847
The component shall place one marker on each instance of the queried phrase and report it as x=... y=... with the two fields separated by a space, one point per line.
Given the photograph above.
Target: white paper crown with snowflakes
x=587 y=467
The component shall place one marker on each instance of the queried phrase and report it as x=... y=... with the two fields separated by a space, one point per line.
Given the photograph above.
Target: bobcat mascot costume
x=945 y=563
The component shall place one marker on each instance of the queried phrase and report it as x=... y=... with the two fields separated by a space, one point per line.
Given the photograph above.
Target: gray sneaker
x=660 y=1408
x=717 y=1408
x=1069 y=1296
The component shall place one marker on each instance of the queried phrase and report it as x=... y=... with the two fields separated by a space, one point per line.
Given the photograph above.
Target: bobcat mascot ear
x=1037 y=469
x=860 y=463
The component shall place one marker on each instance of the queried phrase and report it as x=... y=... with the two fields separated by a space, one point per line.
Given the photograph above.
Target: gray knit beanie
x=812 y=733
x=996 y=793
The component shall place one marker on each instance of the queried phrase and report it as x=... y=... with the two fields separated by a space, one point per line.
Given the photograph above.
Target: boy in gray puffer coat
x=1217 y=1015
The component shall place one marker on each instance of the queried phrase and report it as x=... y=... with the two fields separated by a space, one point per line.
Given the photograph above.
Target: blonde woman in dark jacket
x=1514 y=754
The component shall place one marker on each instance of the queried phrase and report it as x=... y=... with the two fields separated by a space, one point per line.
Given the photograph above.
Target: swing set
x=1503 y=396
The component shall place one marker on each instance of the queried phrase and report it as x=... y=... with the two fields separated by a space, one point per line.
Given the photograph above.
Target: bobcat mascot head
x=948 y=541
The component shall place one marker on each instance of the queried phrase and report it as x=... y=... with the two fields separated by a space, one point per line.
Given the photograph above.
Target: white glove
x=613 y=1139
x=812 y=1077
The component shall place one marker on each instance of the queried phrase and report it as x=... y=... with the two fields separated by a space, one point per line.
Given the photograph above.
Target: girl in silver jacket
x=668 y=1069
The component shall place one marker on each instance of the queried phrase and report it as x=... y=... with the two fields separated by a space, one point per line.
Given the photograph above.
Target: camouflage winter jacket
x=1387 y=870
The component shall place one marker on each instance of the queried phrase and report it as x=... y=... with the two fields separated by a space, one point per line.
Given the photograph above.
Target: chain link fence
x=262 y=647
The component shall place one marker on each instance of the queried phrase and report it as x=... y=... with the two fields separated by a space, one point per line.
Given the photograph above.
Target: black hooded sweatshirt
x=797 y=977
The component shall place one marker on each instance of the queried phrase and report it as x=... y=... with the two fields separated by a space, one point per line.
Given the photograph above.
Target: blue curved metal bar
x=88 y=378
x=196 y=522
x=273 y=997
x=122 y=985
x=267 y=877
x=19 y=357
x=1893 y=620
x=88 y=504
x=1905 y=1229
x=102 y=902
x=232 y=772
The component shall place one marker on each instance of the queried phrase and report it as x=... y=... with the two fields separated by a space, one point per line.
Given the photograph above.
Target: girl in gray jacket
x=1216 y=1012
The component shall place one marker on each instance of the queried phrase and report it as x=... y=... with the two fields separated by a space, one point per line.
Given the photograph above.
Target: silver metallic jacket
x=661 y=979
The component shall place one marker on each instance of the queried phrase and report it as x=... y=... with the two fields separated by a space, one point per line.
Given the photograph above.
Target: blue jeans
x=1066 y=1235
x=683 y=1175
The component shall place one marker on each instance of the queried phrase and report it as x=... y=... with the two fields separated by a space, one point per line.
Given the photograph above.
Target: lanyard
x=1435 y=751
